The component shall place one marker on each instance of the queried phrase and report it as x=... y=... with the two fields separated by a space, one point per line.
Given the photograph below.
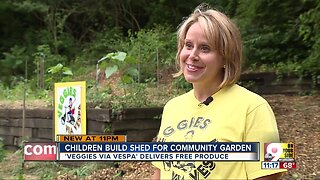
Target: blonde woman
x=216 y=109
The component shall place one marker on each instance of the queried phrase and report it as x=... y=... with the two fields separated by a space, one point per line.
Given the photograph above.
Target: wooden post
x=158 y=71
x=24 y=107
x=38 y=73
x=42 y=72
x=139 y=56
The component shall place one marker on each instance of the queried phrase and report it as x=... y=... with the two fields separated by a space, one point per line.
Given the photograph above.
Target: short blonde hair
x=222 y=34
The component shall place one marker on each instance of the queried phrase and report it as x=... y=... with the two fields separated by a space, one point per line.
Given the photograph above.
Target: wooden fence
x=271 y=83
x=138 y=124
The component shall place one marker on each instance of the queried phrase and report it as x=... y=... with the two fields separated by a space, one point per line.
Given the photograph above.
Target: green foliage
x=289 y=68
x=229 y=7
x=14 y=93
x=135 y=96
x=2 y=150
x=82 y=171
x=15 y=58
x=82 y=31
x=107 y=40
x=270 y=38
x=58 y=73
x=108 y=128
x=18 y=172
x=17 y=27
x=76 y=34
x=60 y=69
x=29 y=6
x=172 y=12
x=309 y=30
x=113 y=62
x=46 y=170
x=44 y=53
x=144 y=48
x=52 y=66
x=50 y=170
x=98 y=97
x=13 y=64
x=154 y=49
x=181 y=83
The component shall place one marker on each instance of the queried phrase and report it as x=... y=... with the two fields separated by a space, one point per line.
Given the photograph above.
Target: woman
x=216 y=109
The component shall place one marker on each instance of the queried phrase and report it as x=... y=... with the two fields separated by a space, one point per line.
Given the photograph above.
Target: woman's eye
x=188 y=45
x=205 y=48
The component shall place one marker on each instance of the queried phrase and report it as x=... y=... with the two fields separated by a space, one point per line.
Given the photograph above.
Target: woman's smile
x=193 y=68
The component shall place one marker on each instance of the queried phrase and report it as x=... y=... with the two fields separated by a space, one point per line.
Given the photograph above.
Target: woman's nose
x=194 y=55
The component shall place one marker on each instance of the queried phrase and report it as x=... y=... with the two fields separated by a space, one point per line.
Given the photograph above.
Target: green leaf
x=110 y=70
x=131 y=60
x=120 y=56
x=67 y=72
x=109 y=55
x=133 y=71
x=55 y=69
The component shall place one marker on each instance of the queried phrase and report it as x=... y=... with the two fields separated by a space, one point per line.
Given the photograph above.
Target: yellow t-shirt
x=234 y=115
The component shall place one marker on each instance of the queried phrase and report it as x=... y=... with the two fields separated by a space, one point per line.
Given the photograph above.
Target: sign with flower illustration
x=69 y=108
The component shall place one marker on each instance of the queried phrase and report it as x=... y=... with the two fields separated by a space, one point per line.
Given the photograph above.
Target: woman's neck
x=203 y=91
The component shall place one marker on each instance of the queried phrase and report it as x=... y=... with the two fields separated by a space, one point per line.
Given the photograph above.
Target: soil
x=298 y=122
x=30 y=104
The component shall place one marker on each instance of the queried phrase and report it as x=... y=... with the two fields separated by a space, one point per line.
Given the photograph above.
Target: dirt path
x=299 y=122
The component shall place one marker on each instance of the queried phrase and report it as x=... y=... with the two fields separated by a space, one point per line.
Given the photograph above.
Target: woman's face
x=200 y=63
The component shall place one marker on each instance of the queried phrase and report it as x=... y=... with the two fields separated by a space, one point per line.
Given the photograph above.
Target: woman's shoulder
x=246 y=95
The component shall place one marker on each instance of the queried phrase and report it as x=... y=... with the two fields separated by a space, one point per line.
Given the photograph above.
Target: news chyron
x=40 y=151
x=48 y=151
x=279 y=156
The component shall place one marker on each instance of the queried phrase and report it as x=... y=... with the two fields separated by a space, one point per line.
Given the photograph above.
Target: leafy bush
x=144 y=48
x=13 y=65
x=309 y=30
x=14 y=93
x=118 y=61
x=271 y=38
x=181 y=83
x=154 y=49
x=58 y=73
x=98 y=97
x=106 y=41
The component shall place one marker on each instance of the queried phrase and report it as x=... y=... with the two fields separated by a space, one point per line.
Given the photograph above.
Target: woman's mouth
x=193 y=68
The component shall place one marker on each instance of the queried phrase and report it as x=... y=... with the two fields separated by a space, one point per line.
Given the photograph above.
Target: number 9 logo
x=274 y=150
